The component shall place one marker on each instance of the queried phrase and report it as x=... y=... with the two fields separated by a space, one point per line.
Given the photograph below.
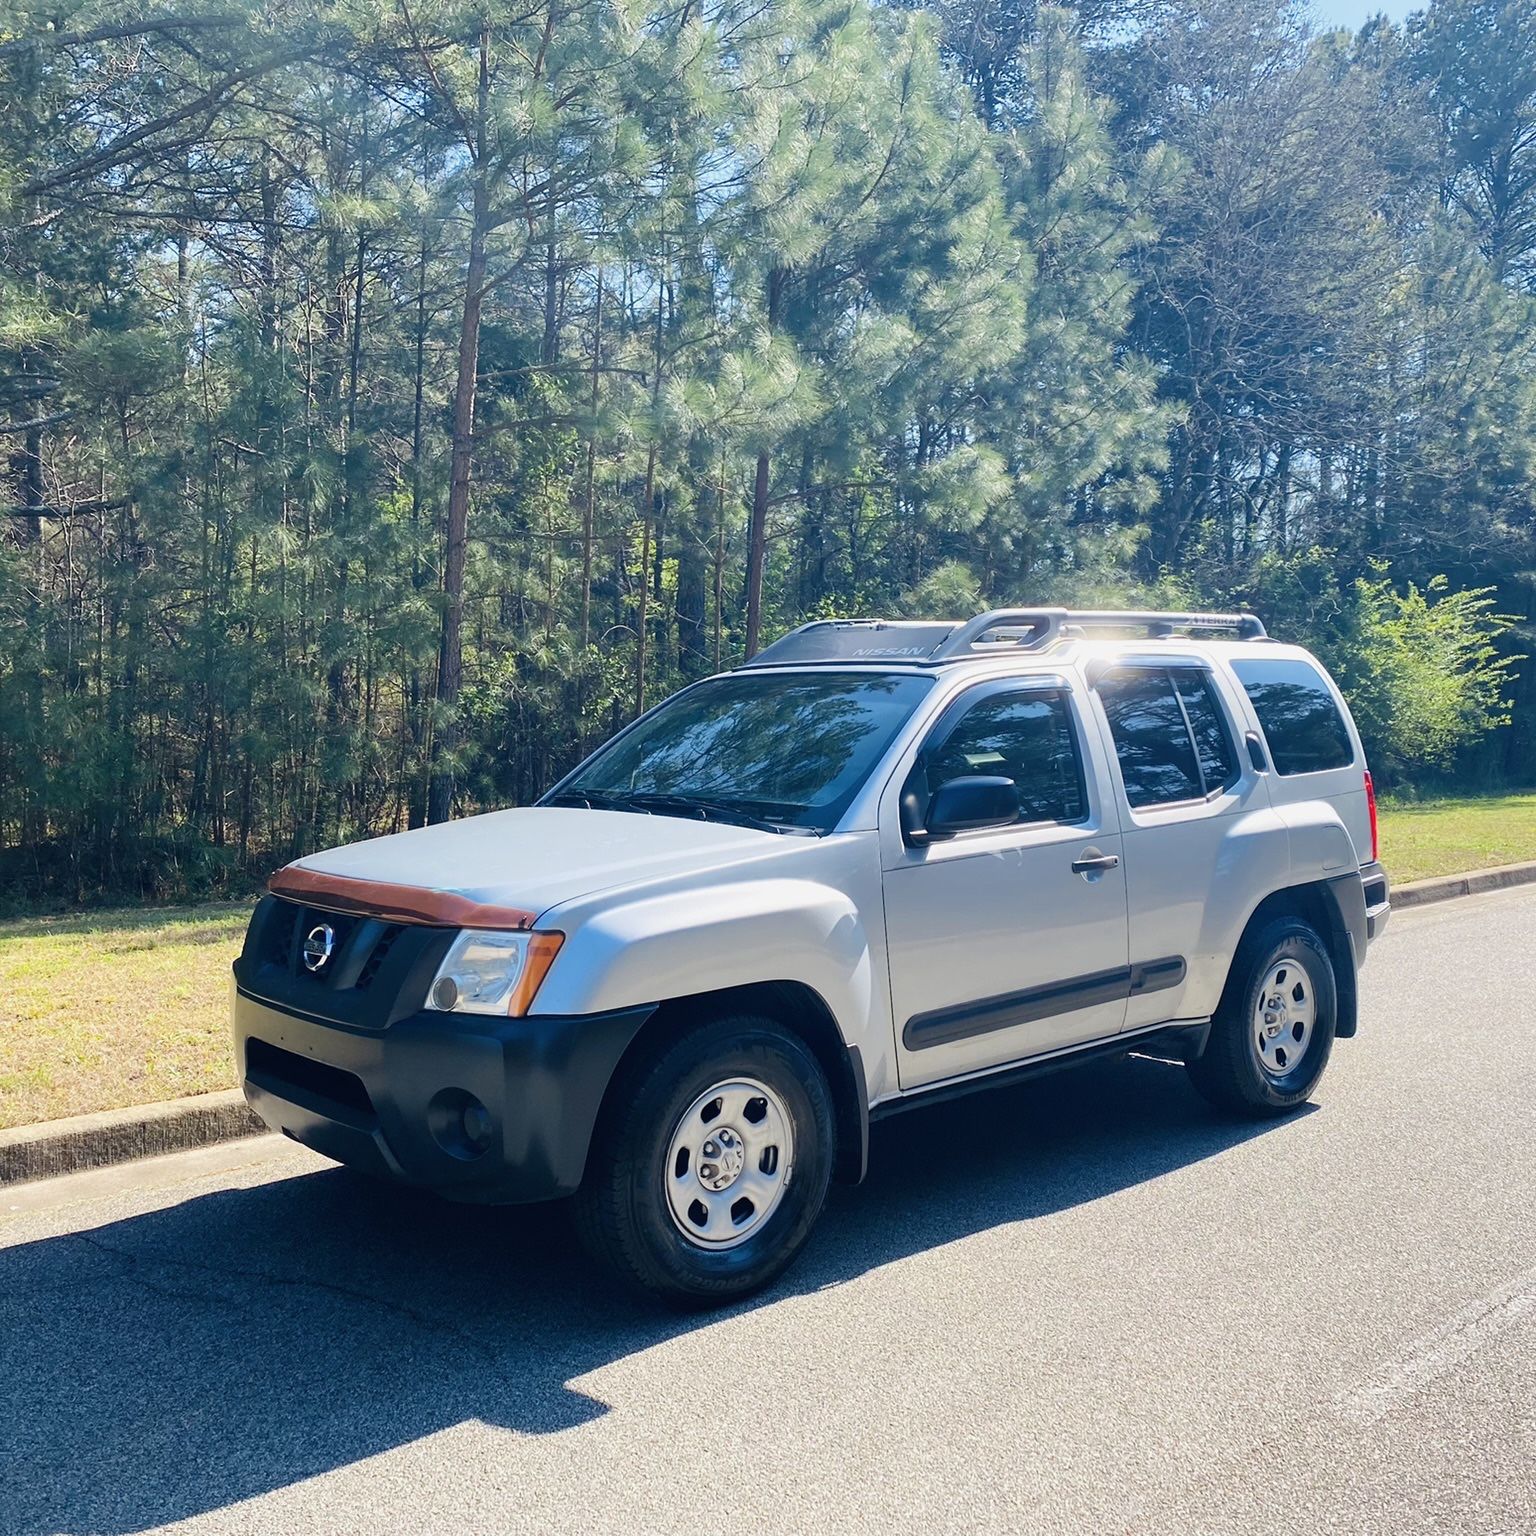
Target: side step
x=1183 y=1041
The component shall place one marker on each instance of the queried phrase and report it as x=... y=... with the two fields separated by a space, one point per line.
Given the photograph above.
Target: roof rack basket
x=927 y=643
x=1034 y=628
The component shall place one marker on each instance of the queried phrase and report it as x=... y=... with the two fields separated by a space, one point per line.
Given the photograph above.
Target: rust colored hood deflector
x=394 y=903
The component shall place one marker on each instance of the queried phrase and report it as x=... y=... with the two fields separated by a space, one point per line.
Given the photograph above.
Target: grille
x=311 y=918
x=277 y=937
x=287 y=930
x=381 y=947
x=378 y=971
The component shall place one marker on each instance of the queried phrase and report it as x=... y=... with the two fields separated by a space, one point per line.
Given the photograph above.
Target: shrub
x=1424 y=669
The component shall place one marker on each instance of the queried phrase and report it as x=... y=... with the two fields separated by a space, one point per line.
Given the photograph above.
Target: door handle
x=1092 y=862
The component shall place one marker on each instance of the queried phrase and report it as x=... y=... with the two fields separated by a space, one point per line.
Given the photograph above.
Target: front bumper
x=495 y=1110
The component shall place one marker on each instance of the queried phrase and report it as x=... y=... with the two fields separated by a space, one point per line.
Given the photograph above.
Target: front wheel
x=1273 y=1033
x=711 y=1162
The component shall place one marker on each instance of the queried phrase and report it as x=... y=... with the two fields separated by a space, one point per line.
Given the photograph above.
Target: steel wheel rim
x=1285 y=1018
x=728 y=1163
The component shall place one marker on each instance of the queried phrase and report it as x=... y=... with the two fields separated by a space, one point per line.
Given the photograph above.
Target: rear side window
x=1170 y=735
x=1023 y=736
x=1303 y=726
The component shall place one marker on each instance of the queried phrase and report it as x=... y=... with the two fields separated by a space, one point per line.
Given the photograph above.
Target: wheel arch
x=1323 y=905
x=804 y=1012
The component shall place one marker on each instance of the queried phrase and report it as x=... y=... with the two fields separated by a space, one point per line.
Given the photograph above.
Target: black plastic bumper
x=1378 y=898
x=479 y=1109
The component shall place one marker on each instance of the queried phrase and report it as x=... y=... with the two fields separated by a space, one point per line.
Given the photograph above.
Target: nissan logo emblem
x=318 y=944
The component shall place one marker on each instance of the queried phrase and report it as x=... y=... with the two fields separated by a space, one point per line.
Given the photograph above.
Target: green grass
x=114 y=1008
x=127 y=1007
x=1446 y=837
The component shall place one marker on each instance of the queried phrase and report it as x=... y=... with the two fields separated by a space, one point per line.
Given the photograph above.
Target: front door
x=1010 y=941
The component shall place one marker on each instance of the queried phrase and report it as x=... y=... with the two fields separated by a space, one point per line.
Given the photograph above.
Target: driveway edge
x=149 y=1130
x=1419 y=893
x=122 y=1135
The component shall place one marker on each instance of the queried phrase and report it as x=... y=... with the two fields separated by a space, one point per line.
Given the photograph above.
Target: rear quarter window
x=1302 y=724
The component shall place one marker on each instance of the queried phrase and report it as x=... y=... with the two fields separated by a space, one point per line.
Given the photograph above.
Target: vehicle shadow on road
x=187 y=1359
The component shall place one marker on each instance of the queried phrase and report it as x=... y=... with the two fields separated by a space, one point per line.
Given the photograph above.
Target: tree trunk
x=719 y=562
x=650 y=517
x=29 y=463
x=757 y=548
x=589 y=508
x=550 y=352
x=416 y=723
x=450 y=657
x=642 y=618
x=757 y=533
x=690 y=585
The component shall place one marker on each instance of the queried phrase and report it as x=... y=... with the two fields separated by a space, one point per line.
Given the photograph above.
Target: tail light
x=1370 y=805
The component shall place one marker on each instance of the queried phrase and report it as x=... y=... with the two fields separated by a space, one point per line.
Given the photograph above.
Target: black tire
x=1231 y=1073
x=622 y=1210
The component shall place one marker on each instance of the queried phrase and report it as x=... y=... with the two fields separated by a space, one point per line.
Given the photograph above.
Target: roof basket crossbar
x=1034 y=628
x=926 y=642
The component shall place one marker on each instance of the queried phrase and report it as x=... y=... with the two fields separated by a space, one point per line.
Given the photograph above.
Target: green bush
x=1424 y=669
x=1425 y=672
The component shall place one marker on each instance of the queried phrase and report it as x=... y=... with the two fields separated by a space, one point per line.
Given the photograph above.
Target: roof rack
x=928 y=643
x=855 y=640
x=1035 y=628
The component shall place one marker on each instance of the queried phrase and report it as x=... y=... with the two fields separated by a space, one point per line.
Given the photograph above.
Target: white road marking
x=1430 y=1357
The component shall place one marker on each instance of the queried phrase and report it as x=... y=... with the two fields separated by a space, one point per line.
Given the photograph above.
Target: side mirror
x=977 y=800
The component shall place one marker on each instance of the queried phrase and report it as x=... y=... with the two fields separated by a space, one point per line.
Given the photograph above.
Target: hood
x=506 y=868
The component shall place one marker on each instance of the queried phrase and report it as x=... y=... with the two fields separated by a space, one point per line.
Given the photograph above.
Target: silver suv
x=880 y=864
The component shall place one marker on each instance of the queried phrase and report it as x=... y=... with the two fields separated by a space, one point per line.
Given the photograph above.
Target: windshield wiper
x=589 y=800
x=681 y=805
x=676 y=805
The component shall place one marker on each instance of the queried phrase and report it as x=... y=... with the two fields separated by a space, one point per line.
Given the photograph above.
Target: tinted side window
x=1301 y=722
x=1157 y=757
x=1026 y=737
x=1213 y=741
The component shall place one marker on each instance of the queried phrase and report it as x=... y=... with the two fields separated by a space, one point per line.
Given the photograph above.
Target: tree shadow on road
x=184 y=1360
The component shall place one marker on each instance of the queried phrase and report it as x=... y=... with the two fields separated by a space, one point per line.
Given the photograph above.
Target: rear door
x=1006 y=942
x=1193 y=847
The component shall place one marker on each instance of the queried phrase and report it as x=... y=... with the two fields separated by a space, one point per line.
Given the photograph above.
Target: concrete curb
x=121 y=1135
x=149 y=1130
x=1419 y=893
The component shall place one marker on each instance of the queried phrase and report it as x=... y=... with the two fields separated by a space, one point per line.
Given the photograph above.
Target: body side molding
x=945 y=1025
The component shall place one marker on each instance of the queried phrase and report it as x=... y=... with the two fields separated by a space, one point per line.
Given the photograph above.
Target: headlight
x=489 y=972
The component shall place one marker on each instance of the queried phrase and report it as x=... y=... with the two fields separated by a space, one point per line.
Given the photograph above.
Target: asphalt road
x=1085 y=1305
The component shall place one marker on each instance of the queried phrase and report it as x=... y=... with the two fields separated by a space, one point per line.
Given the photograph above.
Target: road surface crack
x=422 y=1320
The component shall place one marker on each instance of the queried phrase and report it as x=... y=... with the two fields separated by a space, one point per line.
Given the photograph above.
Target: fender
x=1323 y=883
x=1321 y=847
x=677 y=943
x=1265 y=853
x=1324 y=857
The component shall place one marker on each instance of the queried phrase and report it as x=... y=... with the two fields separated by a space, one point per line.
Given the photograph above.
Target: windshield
x=783 y=751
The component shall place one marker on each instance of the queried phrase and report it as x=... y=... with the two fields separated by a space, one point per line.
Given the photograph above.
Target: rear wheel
x=710 y=1163
x=1273 y=1033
